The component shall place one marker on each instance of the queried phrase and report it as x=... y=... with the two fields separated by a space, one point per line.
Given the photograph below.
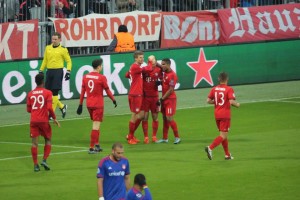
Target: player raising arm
x=135 y=95
x=135 y=193
x=222 y=96
x=93 y=84
x=39 y=105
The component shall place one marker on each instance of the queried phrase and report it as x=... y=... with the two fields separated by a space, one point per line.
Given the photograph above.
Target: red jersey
x=221 y=94
x=149 y=80
x=93 y=85
x=136 y=76
x=169 y=80
x=39 y=104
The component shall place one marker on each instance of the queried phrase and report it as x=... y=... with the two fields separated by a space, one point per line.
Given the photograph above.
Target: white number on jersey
x=38 y=101
x=91 y=85
x=219 y=98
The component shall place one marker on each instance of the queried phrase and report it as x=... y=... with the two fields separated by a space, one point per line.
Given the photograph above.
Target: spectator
x=152 y=5
x=62 y=8
x=126 y=5
x=12 y=10
x=122 y=42
x=25 y=9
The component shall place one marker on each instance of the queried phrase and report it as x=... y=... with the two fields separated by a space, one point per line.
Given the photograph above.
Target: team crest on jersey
x=156 y=74
x=123 y=166
x=137 y=109
x=139 y=195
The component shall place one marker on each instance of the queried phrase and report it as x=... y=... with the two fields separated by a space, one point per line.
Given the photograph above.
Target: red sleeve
x=28 y=104
x=211 y=94
x=109 y=94
x=231 y=94
x=148 y=68
x=127 y=75
x=82 y=92
x=107 y=90
x=49 y=106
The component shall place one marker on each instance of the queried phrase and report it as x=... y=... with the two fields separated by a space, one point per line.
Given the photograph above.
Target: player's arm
x=148 y=195
x=168 y=93
x=127 y=182
x=100 y=187
x=234 y=103
x=45 y=61
x=67 y=59
x=49 y=107
x=82 y=93
x=28 y=105
x=210 y=101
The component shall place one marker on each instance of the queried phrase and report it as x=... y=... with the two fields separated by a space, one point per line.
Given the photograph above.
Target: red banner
x=259 y=23
x=189 y=29
x=19 y=40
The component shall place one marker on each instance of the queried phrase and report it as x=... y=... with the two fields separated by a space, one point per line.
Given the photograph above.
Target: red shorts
x=135 y=103
x=168 y=107
x=96 y=114
x=40 y=128
x=149 y=103
x=223 y=124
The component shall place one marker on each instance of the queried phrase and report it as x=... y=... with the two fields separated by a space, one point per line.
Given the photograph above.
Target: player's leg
x=170 y=112
x=34 y=134
x=154 y=126
x=96 y=132
x=145 y=127
x=165 y=125
x=57 y=85
x=135 y=104
x=46 y=132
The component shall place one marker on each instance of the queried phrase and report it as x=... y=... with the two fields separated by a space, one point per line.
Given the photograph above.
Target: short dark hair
x=117 y=144
x=140 y=180
x=97 y=62
x=57 y=34
x=167 y=61
x=123 y=28
x=137 y=54
x=39 y=79
x=223 y=76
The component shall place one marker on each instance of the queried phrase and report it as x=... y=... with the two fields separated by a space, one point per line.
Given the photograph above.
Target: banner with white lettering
x=99 y=29
x=19 y=40
x=259 y=23
x=181 y=29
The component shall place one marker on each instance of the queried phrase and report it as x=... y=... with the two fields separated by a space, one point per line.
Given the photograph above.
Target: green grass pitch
x=264 y=139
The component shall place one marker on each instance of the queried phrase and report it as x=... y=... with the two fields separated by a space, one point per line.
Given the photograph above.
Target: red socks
x=131 y=130
x=94 y=138
x=34 y=152
x=145 y=128
x=216 y=142
x=173 y=125
x=47 y=150
x=154 y=128
x=165 y=129
x=225 y=147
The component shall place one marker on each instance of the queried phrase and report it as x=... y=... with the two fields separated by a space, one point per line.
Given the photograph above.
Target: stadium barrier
x=196 y=67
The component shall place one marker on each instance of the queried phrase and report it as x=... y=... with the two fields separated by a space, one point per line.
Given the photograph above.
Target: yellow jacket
x=125 y=42
x=54 y=58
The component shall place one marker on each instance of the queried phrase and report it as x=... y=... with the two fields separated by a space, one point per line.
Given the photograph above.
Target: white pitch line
x=188 y=107
x=23 y=143
x=20 y=157
x=288 y=101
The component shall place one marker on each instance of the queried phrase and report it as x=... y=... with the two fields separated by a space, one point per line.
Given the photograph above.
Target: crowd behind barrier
x=21 y=10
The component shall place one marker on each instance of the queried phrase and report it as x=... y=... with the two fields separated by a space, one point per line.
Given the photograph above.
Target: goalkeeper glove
x=101 y=198
x=79 y=110
x=115 y=103
x=67 y=76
